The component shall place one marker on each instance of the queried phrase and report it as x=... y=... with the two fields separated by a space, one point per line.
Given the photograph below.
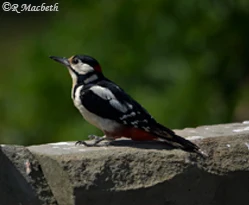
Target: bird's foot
x=81 y=142
x=96 y=139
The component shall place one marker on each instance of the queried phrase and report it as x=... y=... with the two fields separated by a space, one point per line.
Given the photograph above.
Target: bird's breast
x=102 y=123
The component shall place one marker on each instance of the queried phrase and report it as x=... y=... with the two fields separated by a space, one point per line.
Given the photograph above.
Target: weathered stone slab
x=145 y=173
x=21 y=179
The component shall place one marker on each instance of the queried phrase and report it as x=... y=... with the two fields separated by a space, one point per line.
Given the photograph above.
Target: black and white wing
x=105 y=99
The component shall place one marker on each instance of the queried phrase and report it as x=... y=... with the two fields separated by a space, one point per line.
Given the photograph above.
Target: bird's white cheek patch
x=82 y=68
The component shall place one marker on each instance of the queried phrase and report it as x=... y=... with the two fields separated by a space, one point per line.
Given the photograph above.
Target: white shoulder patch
x=102 y=92
x=106 y=94
x=118 y=105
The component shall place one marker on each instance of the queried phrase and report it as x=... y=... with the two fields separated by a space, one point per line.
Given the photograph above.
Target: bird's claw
x=96 y=139
x=81 y=142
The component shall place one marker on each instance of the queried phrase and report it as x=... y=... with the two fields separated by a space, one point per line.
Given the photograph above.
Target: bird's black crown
x=85 y=59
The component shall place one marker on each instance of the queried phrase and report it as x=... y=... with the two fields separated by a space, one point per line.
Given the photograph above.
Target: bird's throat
x=83 y=80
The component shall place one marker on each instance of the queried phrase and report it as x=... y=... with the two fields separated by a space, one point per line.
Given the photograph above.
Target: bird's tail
x=173 y=140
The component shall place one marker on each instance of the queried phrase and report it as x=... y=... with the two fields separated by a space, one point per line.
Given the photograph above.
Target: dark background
x=186 y=62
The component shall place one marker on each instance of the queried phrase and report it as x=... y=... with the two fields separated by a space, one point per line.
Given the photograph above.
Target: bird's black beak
x=61 y=60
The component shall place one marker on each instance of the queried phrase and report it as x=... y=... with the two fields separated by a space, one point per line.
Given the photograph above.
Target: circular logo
x=6 y=6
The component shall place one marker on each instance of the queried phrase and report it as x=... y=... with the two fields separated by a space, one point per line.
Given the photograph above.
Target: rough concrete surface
x=128 y=172
x=21 y=179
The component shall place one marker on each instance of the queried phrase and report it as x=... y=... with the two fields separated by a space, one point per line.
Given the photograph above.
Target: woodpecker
x=108 y=107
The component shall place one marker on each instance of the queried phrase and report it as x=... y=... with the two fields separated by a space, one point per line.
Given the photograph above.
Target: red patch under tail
x=137 y=134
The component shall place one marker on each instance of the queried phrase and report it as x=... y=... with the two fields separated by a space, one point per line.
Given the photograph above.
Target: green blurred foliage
x=186 y=62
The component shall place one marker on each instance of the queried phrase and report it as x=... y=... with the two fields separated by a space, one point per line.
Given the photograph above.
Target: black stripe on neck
x=82 y=78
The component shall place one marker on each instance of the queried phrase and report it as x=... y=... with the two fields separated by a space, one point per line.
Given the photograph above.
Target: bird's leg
x=96 y=139
x=109 y=137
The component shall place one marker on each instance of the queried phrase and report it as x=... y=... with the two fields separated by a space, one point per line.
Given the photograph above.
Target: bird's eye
x=75 y=61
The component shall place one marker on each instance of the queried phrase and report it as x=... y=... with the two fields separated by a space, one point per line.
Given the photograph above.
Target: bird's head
x=82 y=68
